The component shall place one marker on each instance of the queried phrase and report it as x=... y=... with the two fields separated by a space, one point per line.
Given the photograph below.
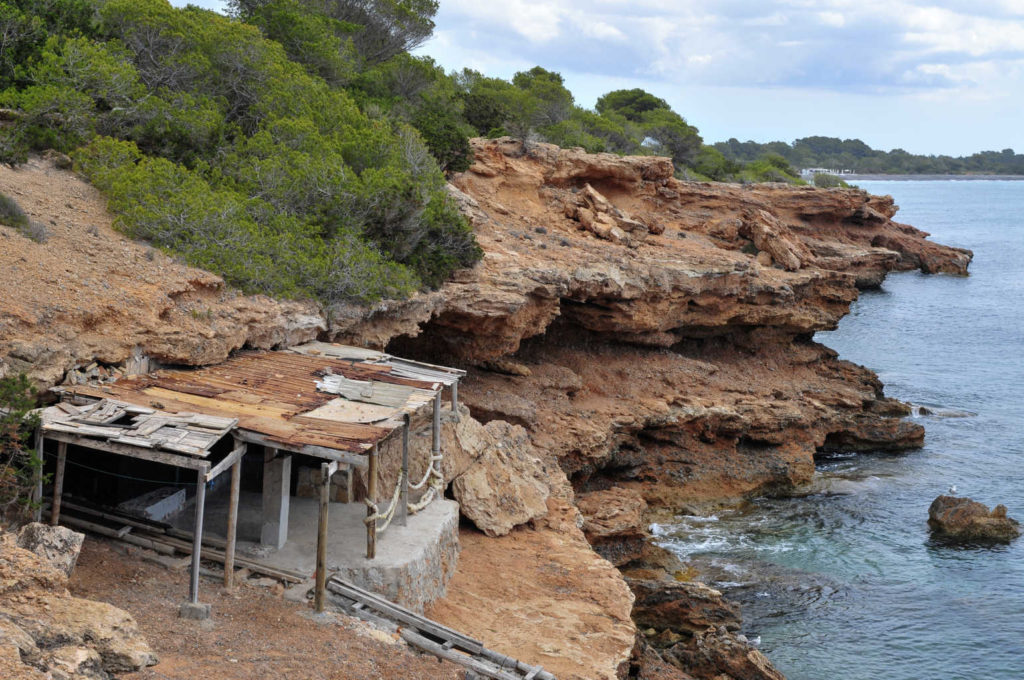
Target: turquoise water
x=846 y=582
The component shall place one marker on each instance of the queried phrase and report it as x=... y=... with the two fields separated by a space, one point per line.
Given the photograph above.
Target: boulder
x=505 y=485
x=682 y=607
x=968 y=520
x=717 y=654
x=57 y=545
x=45 y=632
x=614 y=523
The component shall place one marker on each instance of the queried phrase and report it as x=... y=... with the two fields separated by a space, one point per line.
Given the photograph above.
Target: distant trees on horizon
x=853 y=154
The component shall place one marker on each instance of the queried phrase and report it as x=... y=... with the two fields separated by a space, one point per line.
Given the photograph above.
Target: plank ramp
x=430 y=636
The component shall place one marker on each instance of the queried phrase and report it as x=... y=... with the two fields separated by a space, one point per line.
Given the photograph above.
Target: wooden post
x=58 y=482
x=197 y=540
x=403 y=501
x=371 y=495
x=455 y=400
x=321 y=536
x=436 y=447
x=229 y=550
x=37 y=495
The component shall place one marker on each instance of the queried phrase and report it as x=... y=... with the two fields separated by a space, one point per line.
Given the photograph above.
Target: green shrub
x=19 y=462
x=827 y=180
x=11 y=213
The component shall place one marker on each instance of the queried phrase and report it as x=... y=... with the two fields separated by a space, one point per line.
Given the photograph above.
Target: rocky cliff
x=634 y=343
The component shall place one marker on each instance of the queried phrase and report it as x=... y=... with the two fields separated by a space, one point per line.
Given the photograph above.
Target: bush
x=19 y=462
x=11 y=213
x=827 y=180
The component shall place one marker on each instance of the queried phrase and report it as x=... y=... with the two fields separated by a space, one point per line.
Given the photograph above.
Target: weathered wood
x=402 y=517
x=404 y=616
x=130 y=451
x=326 y=470
x=229 y=551
x=478 y=666
x=358 y=460
x=215 y=555
x=142 y=542
x=197 y=543
x=371 y=495
x=229 y=460
x=58 y=482
x=121 y=519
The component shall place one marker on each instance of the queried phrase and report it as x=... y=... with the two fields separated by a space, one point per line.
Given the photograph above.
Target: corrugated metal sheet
x=282 y=395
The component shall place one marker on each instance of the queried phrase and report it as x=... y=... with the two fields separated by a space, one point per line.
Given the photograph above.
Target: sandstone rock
x=968 y=520
x=683 y=607
x=57 y=545
x=58 y=634
x=715 y=654
x=614 y=523
x=505 y=486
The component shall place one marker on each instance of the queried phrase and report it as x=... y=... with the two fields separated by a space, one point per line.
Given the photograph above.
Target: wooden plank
x=131 y=451
x=478 y=666
x=134 y=441
x=229 y=551
x=229 y=460
x=399 y=613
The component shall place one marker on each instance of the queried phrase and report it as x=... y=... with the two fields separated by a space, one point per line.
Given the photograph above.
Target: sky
x=928 y=77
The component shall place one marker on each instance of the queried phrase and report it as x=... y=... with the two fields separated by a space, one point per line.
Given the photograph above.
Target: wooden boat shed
x=332 y=402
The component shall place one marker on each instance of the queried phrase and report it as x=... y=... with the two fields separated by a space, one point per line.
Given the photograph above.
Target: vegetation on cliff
x=212 y=143
x=19 y=463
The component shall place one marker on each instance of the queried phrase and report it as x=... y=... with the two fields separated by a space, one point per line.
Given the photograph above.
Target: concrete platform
x=413 y=564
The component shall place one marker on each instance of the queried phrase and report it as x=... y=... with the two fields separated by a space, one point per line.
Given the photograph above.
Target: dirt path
x=254 y=633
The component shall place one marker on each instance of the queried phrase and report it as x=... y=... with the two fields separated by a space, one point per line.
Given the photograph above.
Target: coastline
x=646 y=343
x=933 y=178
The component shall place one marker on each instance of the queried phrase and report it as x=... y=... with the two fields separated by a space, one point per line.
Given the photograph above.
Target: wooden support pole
x=319 y=595
x=37 y=496
x=436 y=446
x=58 y=482
x=403 y=501
x=229 y=551
x=455 y=400
x=197 y=539
x=371 y=495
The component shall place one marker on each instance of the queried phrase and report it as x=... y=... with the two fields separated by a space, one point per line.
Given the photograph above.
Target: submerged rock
x=968 y=520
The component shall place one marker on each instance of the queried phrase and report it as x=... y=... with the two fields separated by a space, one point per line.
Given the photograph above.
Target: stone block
x=196 y=611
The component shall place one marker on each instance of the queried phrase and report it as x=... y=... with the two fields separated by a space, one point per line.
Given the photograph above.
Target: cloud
x=880 y=46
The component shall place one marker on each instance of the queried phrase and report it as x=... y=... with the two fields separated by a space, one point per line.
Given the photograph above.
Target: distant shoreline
x=933 y=178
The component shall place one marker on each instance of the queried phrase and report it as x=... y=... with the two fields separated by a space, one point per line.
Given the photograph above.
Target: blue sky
x=930 y=77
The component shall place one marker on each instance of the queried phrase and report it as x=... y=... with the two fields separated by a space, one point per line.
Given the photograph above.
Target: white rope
x=432 y=475
x=429 y=473
x=390 y=514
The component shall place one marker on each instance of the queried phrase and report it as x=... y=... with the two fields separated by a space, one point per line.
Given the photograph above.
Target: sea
x=844 y=581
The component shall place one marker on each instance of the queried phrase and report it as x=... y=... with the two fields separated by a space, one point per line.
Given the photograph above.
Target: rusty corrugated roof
x=275 y=395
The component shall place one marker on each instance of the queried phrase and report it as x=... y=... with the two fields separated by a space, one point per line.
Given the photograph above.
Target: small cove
x=845 y=581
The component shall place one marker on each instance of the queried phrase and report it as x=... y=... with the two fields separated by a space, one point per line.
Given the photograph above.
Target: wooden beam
x=132 y=451
x=58 y=482
x=229 y=551
x=37 y=493
x=319 y=596
x=371 y=494
x=197 y=542
x=229 y=460
x=346 y=457
x=403 y=501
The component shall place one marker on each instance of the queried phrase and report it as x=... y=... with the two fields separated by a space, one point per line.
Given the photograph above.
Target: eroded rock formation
x=633 y=341
x=47 y=633
x=966 y=520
